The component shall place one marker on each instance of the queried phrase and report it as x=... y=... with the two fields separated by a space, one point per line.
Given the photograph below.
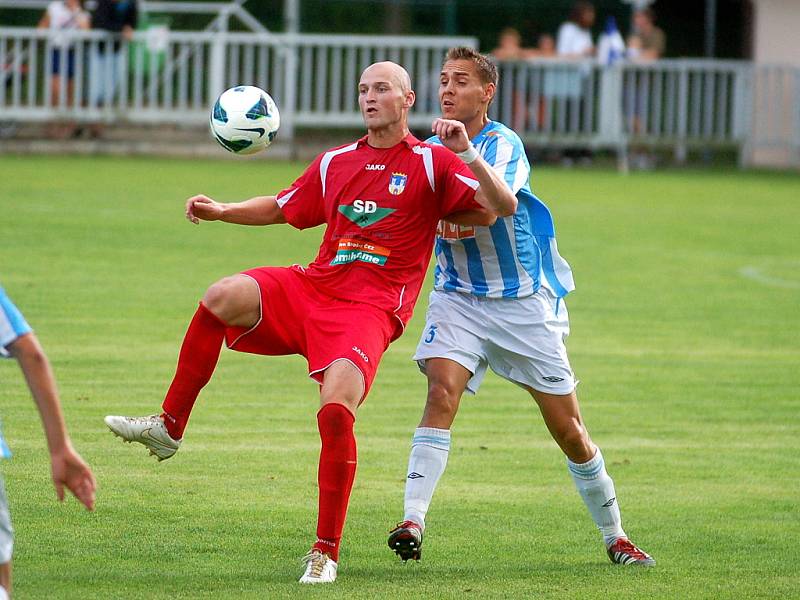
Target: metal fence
x=173 y=77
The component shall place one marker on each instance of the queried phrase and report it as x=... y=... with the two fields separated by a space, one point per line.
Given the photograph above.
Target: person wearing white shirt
x=574 y=38
x=63 y=17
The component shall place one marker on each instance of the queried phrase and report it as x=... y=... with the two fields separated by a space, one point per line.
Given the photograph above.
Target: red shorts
x=298 y=319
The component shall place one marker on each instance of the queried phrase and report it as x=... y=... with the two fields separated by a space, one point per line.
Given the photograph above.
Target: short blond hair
x=487 y=71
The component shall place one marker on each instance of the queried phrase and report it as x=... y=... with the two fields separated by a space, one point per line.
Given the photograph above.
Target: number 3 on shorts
x=431 y=334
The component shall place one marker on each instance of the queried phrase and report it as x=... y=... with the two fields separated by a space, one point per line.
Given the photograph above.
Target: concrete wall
x=777 y=107
x=775 y=38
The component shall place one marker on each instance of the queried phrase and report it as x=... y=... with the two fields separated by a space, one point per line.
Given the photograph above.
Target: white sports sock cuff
x=591 y=469
x=431 y=436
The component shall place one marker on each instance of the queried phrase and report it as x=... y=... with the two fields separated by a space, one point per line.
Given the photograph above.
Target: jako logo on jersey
x=360 y=352
x=397 y=183
x=365 y=212
x=431 y=334
x=375 y=167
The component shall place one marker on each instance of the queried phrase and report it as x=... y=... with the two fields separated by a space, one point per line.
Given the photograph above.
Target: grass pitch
x=685 y=337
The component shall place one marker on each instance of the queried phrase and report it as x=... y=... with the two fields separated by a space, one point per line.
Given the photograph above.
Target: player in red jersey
x=381 y=198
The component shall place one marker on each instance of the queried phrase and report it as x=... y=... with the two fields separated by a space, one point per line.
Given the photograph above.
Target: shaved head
x=391 y=72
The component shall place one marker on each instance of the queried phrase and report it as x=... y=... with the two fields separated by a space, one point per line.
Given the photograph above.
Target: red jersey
x=381 y=207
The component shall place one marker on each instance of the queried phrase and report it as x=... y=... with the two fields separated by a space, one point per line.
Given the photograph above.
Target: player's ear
x=410 y=98
x=488 y=92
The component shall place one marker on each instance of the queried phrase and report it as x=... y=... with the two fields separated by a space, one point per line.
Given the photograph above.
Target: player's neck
x=386 y=137
x=474 y=126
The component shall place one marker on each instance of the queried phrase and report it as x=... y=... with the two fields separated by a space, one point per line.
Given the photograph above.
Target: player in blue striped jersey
x=498 y=303
x=18 y=341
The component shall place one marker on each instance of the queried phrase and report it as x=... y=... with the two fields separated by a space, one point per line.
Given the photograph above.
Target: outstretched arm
x=493 y=193
x=68 y=468
x=261 y=210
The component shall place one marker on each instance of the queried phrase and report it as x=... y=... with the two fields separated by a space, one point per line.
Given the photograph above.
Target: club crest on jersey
x=397 y=183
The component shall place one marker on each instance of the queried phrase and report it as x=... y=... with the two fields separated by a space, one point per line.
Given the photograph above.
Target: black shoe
x=406 y=540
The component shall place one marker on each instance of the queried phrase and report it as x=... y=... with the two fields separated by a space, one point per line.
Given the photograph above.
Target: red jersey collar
x=409 y=141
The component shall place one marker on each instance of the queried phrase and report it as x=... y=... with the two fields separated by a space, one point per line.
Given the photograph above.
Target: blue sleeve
x=12 y=323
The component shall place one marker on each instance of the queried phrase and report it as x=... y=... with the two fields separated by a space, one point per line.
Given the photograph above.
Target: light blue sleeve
x=12 y=323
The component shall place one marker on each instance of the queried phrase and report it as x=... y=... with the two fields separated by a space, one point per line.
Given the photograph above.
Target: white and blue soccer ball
x=245 y=119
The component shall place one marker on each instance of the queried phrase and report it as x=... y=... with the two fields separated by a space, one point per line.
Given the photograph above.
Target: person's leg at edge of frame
x=5 y=580
x=6 y=542
x=233 y=301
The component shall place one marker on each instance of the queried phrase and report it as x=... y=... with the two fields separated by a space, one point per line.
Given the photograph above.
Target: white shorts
x=6 y=532
x=520 y=339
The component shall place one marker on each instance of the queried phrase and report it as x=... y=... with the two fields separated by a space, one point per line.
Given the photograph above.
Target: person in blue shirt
x=17 y=340
x=498 y=302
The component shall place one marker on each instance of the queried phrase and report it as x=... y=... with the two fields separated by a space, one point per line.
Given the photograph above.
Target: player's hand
x=203 y=208
x=69 y=470
x=452 y=133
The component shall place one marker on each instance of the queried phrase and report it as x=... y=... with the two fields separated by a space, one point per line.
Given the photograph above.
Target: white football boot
x=148 y=431
x=320 y=568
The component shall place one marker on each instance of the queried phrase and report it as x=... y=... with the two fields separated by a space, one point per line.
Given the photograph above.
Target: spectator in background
x=647 y=44
x=574 y=41
x=574 y=38
x=545 y=46
x=62 y=17
x=118 y=17
x=509 y=46
x=648 y=41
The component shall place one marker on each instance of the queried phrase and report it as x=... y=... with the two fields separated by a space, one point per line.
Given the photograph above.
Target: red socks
x=337 y=470
x=196 y=363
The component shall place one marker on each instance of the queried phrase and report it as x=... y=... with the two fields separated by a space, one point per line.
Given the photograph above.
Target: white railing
x=174 y=77
x=664 y=102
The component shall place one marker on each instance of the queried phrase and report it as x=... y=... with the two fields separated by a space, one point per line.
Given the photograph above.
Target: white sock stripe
x=430 y=436
x=590 y=469
x=442 y=434
x=432 y=443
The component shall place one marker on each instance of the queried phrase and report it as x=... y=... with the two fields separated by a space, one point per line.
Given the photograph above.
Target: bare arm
x=261 y=210
x=484 y=218
x=68 y=468
x=493 y=193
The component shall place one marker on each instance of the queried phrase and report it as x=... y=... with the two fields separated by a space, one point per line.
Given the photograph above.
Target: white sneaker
x=149 y=431
x=320 y=568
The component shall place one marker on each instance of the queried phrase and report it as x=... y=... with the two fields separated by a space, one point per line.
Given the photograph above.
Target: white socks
x=428 y=459
x=597 y=490
x=426 y=463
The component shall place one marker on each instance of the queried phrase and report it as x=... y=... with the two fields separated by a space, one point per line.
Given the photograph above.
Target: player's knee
x=228 y=298
x=442 y=398
x=574 y=440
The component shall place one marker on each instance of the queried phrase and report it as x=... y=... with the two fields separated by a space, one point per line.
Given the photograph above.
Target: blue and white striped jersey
x=518 y=254
x=12 y=325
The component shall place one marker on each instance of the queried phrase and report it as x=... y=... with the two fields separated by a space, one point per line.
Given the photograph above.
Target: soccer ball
x=245 y=119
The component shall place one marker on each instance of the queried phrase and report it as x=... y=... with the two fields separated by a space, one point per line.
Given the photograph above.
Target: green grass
x=689 y=384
